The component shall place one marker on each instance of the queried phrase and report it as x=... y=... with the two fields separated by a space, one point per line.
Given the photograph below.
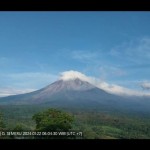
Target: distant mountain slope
x=75 y=92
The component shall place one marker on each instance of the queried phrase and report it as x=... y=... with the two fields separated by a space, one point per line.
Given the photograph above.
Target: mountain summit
x=67 y=85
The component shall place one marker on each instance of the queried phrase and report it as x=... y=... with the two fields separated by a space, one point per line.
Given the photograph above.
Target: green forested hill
x=95 y=124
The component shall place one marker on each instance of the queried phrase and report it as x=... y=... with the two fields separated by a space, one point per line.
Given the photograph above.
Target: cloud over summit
x=110 y=88
x=70 y=75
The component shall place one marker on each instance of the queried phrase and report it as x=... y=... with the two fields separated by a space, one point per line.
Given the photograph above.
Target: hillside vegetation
x=95 y=124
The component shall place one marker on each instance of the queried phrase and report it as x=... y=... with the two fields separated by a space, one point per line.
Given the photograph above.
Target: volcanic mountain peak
x=63 y=87
x=66 y=85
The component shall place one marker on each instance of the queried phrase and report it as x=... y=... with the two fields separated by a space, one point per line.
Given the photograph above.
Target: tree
x=2 y=125
x=18 y=128
x=53 y=120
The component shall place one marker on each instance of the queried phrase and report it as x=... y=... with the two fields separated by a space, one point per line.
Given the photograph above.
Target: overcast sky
x=35 y=47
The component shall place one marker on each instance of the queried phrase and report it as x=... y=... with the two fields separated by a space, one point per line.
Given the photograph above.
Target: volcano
x=75 y=92
x=63 y=92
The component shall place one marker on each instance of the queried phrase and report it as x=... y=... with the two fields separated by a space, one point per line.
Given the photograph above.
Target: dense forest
x=93 y=123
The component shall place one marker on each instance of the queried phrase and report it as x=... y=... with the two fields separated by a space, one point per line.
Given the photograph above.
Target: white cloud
x=69 y=75
x=110 y=88
x=119 y=90
x=98 y=61
x=12 y=91
x=19 y=83
x=145 y=85
x=114 y=71
x=136 y=51
x=85 y=56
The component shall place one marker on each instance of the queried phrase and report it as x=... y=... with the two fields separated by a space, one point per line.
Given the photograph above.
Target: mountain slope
x=76 y=93
x=73 y=90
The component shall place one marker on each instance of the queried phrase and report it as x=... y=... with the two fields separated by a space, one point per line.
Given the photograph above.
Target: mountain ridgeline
x=77 y=93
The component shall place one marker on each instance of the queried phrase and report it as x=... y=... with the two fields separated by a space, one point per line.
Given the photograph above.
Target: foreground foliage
x=2 y=125
x=95 y=124
x=53 y=120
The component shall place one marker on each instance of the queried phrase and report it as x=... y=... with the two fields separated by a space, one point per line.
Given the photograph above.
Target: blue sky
x=35 y=47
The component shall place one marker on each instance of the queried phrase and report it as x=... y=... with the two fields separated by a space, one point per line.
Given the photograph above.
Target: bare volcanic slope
x=76 y=92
